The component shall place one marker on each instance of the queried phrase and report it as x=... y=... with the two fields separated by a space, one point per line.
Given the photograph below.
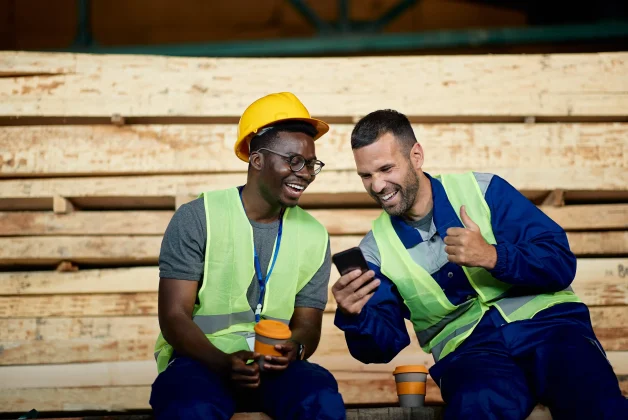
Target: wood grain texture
x=52 y=250
x=598 y=281
x=53 y=340
x=336 y=221
x=499 y=85
x=596 y=150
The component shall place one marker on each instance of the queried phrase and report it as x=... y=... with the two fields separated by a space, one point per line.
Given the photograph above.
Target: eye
x=365 y=176
x=386 y=169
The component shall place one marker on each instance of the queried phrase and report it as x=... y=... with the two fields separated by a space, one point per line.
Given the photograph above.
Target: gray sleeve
x=369 y=248
x=314 y=294
x=483 y=180
x=183 y=246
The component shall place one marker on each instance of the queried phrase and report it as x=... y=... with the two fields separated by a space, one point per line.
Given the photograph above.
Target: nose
x=305 y=174
x=378 y=185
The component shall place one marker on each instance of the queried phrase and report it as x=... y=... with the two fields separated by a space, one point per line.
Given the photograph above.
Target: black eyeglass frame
x=289 y=158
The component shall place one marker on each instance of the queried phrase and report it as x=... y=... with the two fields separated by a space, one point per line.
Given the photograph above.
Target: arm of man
x=181 y=261
x=307 y=318
x=532 y=249
x=373 y=322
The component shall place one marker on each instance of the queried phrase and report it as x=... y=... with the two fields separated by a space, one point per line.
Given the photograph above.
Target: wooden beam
x=140 y=86
x=51 y=250
x=183 y=149
x=61 y=205
x=356 y=387
x=337 y=221
x=28 y=341
x=598 y=281
x=338 y=188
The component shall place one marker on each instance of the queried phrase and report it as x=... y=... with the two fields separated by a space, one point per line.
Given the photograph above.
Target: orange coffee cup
x=411 y=381
x=268 y=334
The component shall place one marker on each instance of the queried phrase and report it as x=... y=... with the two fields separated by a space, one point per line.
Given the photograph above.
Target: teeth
x=296 y=187
x=388 y=196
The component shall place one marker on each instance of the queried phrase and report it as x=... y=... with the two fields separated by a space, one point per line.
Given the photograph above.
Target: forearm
x=545 y=264
x=374 y=336
x=188 y=339
x=309 y=337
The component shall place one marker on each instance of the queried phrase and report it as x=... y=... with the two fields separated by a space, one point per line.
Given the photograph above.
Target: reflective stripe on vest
x=441 y=326
x=223 y=312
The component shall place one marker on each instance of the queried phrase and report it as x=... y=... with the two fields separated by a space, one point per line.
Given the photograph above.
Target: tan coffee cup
x=411 y=381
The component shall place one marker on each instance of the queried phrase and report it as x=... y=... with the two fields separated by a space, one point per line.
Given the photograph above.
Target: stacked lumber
x=97 y=152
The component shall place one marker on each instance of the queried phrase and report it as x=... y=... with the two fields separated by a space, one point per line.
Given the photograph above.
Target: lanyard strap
x=258 y=268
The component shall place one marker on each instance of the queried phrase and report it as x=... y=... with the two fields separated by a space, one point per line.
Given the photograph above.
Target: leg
x=303 y=391
x=188 y=390
x=574 y=379
x=484 y=385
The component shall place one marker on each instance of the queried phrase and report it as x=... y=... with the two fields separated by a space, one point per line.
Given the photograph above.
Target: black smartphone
x=350 y=260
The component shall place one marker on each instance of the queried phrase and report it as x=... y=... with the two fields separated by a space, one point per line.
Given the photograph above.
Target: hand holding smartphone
x=352 y=291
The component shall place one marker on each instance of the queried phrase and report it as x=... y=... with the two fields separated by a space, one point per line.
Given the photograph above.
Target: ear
x=256 y=160
x=416 y=156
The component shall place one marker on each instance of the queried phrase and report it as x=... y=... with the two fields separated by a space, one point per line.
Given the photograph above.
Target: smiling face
x=278 y=184
x=389 y=174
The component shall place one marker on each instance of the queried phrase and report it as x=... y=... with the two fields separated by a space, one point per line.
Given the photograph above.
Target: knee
x=489 y=401
x=317 y=376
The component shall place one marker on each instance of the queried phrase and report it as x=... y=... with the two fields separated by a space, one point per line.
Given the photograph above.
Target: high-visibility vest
x=223 y=311
x=440 y=325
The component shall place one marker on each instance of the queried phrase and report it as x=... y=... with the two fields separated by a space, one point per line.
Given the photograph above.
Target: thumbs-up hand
x=467 y=247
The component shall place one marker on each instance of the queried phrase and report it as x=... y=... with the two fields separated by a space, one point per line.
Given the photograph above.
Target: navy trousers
x=188 y=390
x=503 y=370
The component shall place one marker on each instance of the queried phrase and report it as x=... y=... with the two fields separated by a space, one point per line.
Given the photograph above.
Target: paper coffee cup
x=411 y=382
x=268 y=334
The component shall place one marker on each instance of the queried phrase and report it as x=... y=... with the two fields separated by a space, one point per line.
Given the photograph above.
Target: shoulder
x=369 y=248
x=484 y=180
x=303 y=216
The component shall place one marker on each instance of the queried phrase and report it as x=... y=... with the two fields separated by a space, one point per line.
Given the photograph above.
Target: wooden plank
x=129 y=374
x=117 y=280
x=29 y=341
x=83 y=223
x=337 y=221
x=598 y=281
x=138 y=86
x=160 y=149
x=51 y=250
x=331 y=188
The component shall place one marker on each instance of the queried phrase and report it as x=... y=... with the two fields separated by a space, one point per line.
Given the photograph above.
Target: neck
x=257 y=208
x=423 y=202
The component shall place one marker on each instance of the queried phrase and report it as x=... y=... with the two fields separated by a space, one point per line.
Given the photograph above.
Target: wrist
x=299 y=349
x=491 y=258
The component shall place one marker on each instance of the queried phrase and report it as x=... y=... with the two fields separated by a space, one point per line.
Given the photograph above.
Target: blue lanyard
x=258 y=268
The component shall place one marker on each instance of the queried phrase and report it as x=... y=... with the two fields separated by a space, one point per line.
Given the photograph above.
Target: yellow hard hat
x=268 y=110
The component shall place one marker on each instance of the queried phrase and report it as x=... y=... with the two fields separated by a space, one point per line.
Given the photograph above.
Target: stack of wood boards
x=97 y=152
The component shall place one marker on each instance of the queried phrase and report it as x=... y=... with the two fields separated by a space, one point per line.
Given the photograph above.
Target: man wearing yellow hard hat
x=246 y=257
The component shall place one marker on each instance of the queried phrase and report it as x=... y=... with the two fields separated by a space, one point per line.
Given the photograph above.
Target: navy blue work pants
x=503 y=370
x=188 y=390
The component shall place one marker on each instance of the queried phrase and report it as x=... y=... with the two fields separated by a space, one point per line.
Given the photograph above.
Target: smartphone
x=350 y=260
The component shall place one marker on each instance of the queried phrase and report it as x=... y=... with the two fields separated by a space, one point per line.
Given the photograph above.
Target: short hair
x=267 y=139
x=374 y=125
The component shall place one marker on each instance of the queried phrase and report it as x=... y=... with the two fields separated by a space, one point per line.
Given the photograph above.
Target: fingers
x=453 y=240
x=470 y=224
x=453 y=250
x=455 y=231
x=284 y=348
x=273 y=363
x=346 y=279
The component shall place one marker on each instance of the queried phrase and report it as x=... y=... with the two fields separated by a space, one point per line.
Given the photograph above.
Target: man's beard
x=407 y=195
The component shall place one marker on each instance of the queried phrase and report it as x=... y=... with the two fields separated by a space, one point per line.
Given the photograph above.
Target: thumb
x=469 y=224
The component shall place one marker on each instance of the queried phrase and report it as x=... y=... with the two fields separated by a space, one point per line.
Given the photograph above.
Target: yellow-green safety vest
x=223 y=312
x=440 y=325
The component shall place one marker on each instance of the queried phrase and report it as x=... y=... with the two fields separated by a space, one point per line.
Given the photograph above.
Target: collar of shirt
x=444 y=217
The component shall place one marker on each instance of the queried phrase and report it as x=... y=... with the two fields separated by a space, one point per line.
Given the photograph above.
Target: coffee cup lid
x=410 y=369
x=273 y=329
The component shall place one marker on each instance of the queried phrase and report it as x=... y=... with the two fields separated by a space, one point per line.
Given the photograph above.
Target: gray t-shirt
x=183 y=247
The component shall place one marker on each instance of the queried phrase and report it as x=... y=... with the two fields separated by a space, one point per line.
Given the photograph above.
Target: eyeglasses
x=297 y=162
